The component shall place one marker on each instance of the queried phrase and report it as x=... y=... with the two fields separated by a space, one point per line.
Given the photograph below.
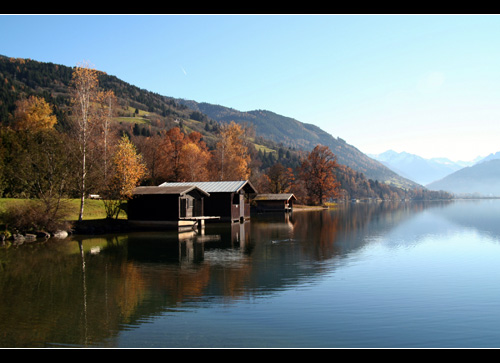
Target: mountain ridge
x=293 y=133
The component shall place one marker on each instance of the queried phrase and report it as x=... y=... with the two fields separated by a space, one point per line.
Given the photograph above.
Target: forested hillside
x=143 y=115
x=23 y=77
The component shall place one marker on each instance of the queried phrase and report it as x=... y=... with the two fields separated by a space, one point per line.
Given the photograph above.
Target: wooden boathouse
x=230 y=200
x=274 y=202
x=171 y=207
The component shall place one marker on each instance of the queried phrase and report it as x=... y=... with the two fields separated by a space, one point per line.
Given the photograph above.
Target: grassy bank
x=94 y=209
x=30 y=221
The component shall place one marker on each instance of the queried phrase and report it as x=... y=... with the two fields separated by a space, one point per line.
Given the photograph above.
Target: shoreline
x=100 y=226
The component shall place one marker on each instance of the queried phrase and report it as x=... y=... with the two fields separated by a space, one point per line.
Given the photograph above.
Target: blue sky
x=425 y=84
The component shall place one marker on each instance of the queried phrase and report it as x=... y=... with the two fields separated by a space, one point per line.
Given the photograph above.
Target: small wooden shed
x=274 y=202
x=230 y=200
x=180 y=207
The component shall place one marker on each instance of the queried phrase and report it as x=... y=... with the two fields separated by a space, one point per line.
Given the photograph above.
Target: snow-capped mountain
x=418 y=169
x=493 y=156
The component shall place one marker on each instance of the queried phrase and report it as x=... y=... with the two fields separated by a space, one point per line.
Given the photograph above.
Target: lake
x=384 y=275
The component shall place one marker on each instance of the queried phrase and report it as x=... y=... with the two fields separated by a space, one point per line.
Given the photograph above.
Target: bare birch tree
x=84 y=96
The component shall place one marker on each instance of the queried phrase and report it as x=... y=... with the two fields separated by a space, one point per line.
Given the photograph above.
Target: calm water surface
x=363 y=275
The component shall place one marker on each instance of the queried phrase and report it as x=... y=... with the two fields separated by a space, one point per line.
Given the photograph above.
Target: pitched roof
x=168 y=190
x=285 y=196
x=217 y=187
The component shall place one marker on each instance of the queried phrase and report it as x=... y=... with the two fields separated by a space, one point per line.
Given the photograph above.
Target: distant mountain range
x=489 y=157
x=418 y=169
x=481 y=179
x=477 y=177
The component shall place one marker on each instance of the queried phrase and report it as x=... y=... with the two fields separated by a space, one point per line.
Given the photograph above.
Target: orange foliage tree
x=170 y=154
x=194 y=163
x=317 y=173
x=149 y=148
x=34 y=114
x=127 y=171
x=278 y=179
x=231 y=158
x=183 y=157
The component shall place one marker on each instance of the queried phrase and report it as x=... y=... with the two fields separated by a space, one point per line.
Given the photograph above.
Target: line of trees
x=177 y=156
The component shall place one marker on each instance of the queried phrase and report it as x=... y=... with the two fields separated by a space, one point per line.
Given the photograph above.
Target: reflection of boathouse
x=179 y=206
x=219 y=243
x=229 y=200
x=274 y=202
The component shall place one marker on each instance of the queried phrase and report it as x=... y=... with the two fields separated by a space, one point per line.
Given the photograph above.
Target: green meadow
x=94 y=208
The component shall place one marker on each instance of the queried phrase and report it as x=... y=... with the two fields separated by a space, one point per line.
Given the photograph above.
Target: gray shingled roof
x=215 y=187
x=168 y=190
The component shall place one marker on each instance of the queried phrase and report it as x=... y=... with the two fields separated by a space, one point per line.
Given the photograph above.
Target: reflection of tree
x=174 y=284
x=317 y=232
x=130 y=290
x=328 y=233
x=50 y=304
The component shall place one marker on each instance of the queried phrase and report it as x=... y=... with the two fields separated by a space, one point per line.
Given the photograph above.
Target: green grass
x=94 y=209
x=132 y=120
x=264 y=148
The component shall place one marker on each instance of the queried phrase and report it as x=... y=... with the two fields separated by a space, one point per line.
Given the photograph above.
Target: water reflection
x=85 y=291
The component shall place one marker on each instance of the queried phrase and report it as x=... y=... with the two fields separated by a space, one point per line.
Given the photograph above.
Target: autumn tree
x=183 y=157
x=171 y=154
x=33 y=114
x=195 y=158
x=127 y=170
x=149 y=148
x=231 y=158
x=36 y=162
x=280 y=179
x=317 y=173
